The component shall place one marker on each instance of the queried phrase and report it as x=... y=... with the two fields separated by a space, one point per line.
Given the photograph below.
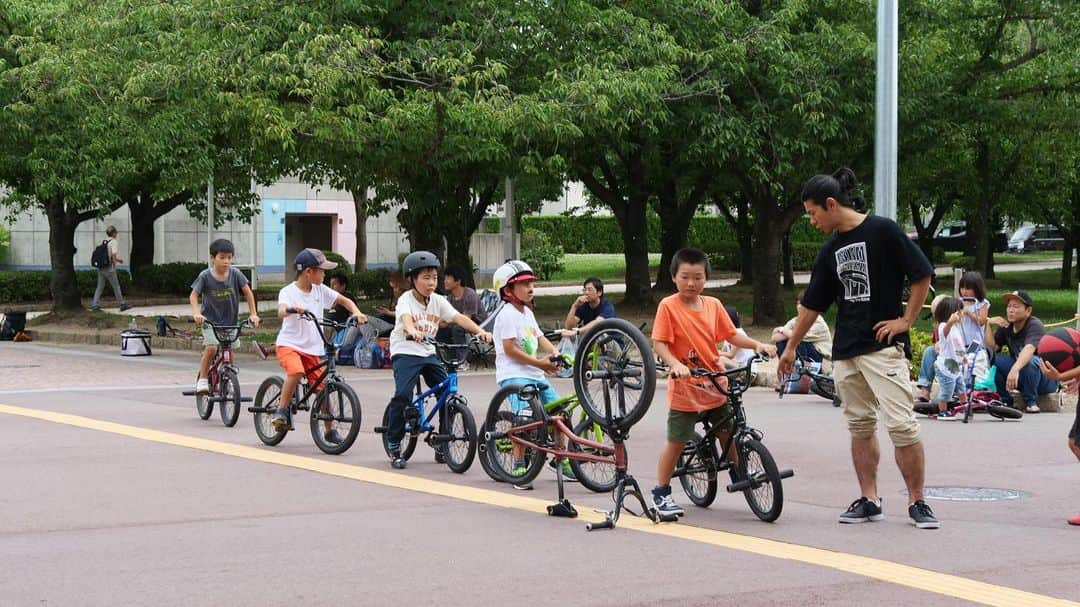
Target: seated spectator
x=816 y=346
x=590 y=308
x=340 y=283
x=397 y=289
x=733 y=357
x=1018 y=370
x=465 y=300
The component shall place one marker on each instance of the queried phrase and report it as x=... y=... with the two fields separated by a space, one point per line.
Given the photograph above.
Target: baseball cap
x=1021 y=295
x=312 y=258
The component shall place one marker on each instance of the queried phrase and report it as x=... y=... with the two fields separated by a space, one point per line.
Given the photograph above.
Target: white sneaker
x=202 y=386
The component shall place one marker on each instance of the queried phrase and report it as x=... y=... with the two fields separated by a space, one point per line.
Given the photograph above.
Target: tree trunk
x=63 y=285
x=789 y=270
x=634 y=228
x=978 y=225
x=145 y=210
x=674 y=227
x=768 y=305
x=360 y=204
x=1066 y=265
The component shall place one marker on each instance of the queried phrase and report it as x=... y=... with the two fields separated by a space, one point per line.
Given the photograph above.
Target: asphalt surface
x=171 y=510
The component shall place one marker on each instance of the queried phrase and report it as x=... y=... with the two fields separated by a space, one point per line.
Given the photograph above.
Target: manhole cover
x=971 y=494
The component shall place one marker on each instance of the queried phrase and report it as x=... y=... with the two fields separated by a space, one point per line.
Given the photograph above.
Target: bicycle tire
x=461 y=450
x=821 y=387
x=495 y=449
x=1003 y=411
x=767 y=499
x=229 y=405
x=203 y=406
x=266 y=431
x=500 y=417
x=613 y=345
x=408 y=441
x=343 y=414
x=698 y=460
x=596 y=477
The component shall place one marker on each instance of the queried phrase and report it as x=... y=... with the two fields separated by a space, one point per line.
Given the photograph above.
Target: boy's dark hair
x=456 y=272
x=222 y=245
x=596 y=283
x=342 y=278
x=837 y=186
x=974 y=281
x=946 y=308
x=691 y=256
x=110 y=231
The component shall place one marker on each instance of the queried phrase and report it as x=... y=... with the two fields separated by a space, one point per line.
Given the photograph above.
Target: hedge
x=371 y=284
x=18 y=286
x=600 y=233
x=726 y=256
x=172 y=278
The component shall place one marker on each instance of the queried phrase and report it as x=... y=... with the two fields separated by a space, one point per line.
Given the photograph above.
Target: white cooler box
x=135 y=343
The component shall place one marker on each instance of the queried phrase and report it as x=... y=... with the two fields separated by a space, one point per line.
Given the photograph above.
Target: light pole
x=885 y=140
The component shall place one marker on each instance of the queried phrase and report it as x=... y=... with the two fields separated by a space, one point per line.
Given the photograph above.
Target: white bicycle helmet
x=510 y=272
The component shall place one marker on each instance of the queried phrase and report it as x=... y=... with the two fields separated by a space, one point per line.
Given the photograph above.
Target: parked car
x=1036 y=238
x=952 y=236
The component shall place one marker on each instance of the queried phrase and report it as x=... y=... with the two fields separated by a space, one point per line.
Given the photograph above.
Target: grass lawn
x=605 y=267
x=1032 y=257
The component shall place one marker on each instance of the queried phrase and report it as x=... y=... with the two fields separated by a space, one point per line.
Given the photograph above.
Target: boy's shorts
x=547 y=393
x=294 y=361
x=680 y=424
x=208 y=336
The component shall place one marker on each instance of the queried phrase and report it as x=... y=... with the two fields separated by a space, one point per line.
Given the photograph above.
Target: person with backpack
x=105 y=257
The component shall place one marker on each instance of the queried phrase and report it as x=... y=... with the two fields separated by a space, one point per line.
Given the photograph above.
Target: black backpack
x=100 y=257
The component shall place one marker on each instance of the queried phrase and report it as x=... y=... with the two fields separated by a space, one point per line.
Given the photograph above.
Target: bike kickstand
x=563 y=507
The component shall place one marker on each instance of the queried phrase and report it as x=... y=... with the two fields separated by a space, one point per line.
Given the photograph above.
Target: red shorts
x=295 y=362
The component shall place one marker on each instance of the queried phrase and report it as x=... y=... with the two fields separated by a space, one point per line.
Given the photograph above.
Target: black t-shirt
x=340 y=313
x=863 y=271
x=1032 y=332
x=604 y=309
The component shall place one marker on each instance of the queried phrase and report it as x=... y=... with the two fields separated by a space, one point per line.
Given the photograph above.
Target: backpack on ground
x=100 y=258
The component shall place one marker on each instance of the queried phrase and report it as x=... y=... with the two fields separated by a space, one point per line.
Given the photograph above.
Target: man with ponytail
x=862 y=268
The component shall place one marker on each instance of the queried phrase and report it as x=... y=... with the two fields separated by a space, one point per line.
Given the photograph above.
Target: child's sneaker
x=332 y=437
x=1074 y=520
x=863 y=510
x=280 y=420
x=202 y=386
x=396 y=461
x=567 y=471
x=922 y=516
x=260 y=350
x=946 y=416
x=665 y=506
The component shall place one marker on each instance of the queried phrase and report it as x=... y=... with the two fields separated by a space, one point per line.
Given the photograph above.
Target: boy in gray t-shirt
x=220 y=287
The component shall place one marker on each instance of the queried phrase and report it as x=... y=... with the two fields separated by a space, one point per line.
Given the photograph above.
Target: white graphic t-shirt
x=522 y=328
x=425 y=319
x=298 y=332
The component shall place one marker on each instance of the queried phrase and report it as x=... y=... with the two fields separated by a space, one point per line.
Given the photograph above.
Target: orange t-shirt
x=687 y=331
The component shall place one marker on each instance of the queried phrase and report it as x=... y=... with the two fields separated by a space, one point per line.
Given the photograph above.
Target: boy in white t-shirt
x=418 y=313
x=300 y=347
x=522 y=354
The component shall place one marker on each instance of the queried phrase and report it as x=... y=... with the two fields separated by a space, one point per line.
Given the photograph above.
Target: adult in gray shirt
x=1018 y=370
x=465 y=300
x=108 y=273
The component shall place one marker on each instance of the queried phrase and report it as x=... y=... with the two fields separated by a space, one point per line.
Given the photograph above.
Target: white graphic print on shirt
x=854 y=271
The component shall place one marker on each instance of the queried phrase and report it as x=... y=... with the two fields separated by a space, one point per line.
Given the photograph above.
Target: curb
x=112 y=338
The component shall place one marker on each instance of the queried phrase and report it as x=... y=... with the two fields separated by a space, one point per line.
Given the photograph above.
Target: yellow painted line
x=876 y=569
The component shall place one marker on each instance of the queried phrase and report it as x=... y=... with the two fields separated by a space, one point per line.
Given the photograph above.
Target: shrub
x=342 y=263
x=22 y=286
x=169 y=278
x=538 y=251
x=5 y=244
x=726 y=256
x=919 y=341
x=964 y=262
x=371 y=284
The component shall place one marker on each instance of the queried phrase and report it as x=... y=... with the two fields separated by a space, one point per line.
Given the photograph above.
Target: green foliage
x=342 y=263
x=919 y=341
x=25 y=286
x=726 y=256
x=5 y=244
x=371 y=284
x=964 y=262
x=169 y=278
x=545 y=257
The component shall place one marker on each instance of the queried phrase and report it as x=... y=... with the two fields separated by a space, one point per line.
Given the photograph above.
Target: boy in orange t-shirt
x=687 y=329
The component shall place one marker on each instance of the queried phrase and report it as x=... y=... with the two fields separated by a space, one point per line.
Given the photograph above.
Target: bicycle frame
x=617 y=452
x=442 y=391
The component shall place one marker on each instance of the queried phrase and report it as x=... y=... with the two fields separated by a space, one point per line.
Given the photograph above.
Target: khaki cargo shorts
x=873 y=384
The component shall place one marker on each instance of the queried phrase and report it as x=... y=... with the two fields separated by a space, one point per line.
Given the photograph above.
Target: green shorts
x=680 y=424
x=208 y=337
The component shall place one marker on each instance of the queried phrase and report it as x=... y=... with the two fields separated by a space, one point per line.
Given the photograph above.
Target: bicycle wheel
x=1002 y=411
x=408 y=442
x=203 y=406
x=766 y=500
x=229 y=392
x=268 y=397
x=825 y=388
x=338 y=406
x=615 y=374
x=501 y=417
x=698 y=463
x=462 y=429
x=592 y=475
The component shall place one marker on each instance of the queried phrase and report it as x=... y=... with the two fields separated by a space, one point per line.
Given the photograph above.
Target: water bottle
x=133 y=326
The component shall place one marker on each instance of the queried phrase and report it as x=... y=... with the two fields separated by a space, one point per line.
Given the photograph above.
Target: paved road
x=135 y=501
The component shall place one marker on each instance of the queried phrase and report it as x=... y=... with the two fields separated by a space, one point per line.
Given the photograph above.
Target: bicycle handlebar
x=324 y=322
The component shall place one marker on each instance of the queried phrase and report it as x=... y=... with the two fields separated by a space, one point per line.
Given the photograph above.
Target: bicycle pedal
x=379 y=429
x=188 y=393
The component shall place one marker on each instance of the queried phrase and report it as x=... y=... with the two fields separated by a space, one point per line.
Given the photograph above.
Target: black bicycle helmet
x=418 y=260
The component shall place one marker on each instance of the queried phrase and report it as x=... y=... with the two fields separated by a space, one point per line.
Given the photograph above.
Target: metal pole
x=209 y=215
x=509 y=234
x=885 y=141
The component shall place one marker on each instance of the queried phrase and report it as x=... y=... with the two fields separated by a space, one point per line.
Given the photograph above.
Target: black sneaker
x=863 y=510
x=665 y=506
x=332 y=437
x=922 y=516
x=396 y=461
